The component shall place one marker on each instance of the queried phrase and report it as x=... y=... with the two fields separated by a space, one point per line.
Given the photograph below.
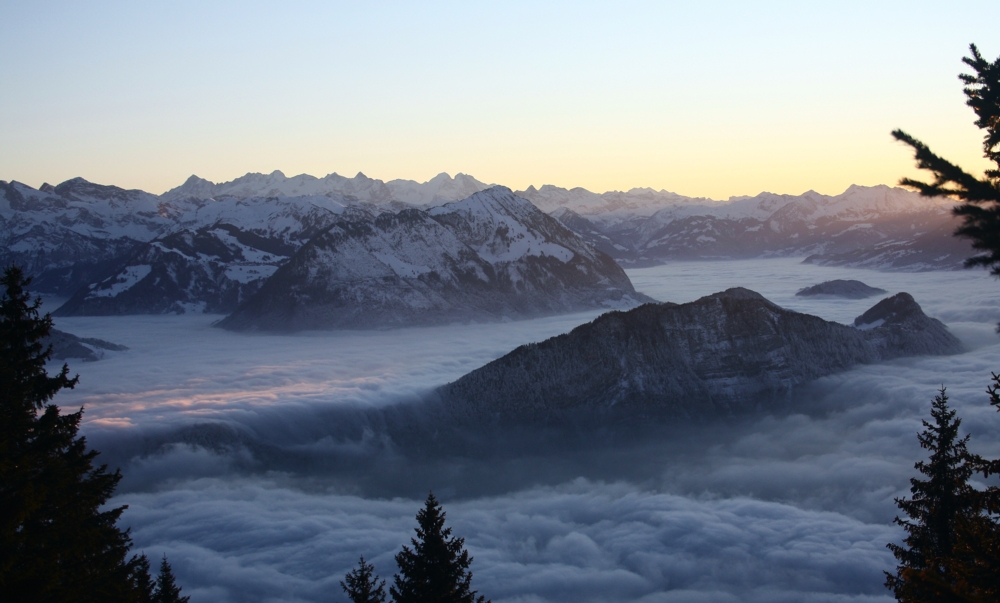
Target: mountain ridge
x=78 y=233
x=723 y=354
x=492 y=256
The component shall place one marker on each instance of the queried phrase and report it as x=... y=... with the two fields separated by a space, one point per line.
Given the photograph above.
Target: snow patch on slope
x=249 y=273
x=124 y=281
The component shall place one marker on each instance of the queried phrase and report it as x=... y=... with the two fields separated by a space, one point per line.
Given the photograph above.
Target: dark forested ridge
x=722 y=354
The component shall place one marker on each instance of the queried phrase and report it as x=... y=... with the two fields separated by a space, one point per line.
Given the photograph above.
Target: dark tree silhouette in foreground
x=142 y=583
x=978 y=537
x=57 y=541
x=362 y=585
x=436 y=569
x=980 y=211
x=167 y=590
x=937 y=506
x=952 y=547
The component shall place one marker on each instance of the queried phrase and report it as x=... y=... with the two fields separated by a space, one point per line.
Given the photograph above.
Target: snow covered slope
x=66 y=236
x=932 y=246
x=492 y=256
x=79 y=234
x=217 y=259
x=859 y=221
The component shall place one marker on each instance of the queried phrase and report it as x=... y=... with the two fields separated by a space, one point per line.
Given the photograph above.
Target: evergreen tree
x=56 y=542
x=436 y=569
x=167 y=590
x=980 y=211
x=940 y=507
x=978 y=536
x=976 y=569
x=142 y=583
x=362 y=585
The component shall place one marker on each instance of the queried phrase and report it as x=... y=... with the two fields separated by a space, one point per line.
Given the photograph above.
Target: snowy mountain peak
x=440 y=189
x=194 y=187
x=490 y=256
x=195 y=180
x=503 y=227
x=493 y=199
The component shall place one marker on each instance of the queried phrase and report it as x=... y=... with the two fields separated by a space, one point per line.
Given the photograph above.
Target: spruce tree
x=167 y=590
x=57 y=542
x=436 y=569
x=980 y=210
x=978 y=536
x=142 y=583
x=941 y=506
x=362 y=585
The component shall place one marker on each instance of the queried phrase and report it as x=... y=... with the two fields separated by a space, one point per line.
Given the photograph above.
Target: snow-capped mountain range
x=216 y=257
x=78 y=232
x=210 y=247
x=877 y=227
x=491 y=255
x=439 y=189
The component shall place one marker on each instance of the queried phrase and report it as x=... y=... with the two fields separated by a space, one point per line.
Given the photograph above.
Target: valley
x=813 y=483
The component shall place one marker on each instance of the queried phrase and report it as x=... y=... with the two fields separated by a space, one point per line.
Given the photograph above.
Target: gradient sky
x=709 y=99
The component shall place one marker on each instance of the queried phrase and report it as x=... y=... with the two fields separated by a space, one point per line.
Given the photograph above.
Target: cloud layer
x=281 y=480
x=580 y=541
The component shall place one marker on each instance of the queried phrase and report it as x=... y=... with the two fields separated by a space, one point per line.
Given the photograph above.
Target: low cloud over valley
x=258 y=462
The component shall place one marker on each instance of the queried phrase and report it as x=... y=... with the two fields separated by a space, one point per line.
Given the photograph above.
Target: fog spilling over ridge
x=807 y=493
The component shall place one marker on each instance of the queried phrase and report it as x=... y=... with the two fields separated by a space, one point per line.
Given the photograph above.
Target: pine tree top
x=362 y=585
x=27 y=386
x=437 y=567
x=167 y=590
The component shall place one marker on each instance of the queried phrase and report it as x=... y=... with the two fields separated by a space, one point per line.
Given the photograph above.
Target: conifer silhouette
x=167 y=590
x=362 y=585
x=952 y=548
x=938 y=505
x=142 y=582
x=436 y=569
x=56 y=541
x=980 y=211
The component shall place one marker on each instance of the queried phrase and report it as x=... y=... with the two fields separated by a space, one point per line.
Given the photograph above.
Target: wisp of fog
x=260 y=464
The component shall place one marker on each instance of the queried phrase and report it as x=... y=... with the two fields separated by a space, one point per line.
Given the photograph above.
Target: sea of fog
x=789 y=507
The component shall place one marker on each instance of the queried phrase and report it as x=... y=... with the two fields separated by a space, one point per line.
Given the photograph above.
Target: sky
x=783 y=507
x=704 y=99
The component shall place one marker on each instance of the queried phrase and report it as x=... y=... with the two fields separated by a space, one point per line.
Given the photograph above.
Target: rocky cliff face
x=723 y=354
x=492 y=256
